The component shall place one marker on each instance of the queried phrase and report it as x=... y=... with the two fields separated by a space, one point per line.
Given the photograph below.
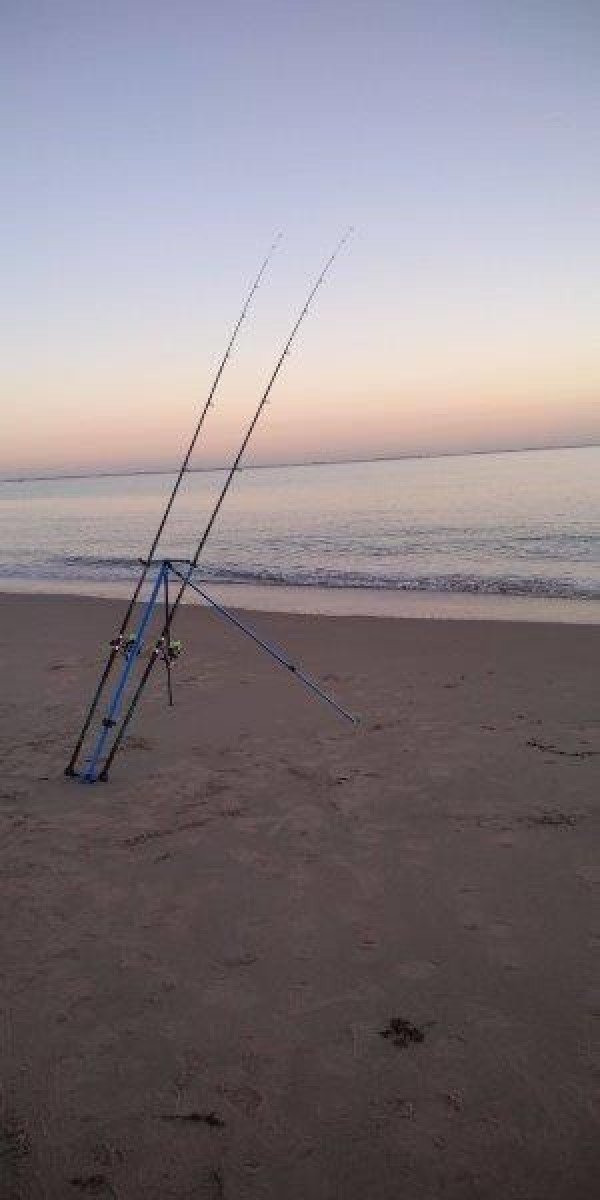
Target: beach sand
x=200 y=957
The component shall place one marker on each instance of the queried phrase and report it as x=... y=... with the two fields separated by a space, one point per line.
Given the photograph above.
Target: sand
x=201 y=958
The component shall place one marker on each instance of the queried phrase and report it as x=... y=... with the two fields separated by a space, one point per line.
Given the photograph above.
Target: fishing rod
x=117 y=642
x=228 y=481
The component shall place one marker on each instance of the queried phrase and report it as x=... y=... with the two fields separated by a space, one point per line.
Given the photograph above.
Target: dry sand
x=199 y=957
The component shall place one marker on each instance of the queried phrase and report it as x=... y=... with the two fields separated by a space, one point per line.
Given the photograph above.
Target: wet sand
x=277 y=957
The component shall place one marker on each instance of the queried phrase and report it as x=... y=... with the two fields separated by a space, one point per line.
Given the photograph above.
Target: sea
x=514 y=535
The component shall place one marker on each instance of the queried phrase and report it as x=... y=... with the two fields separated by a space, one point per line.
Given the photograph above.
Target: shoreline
x=350 y=602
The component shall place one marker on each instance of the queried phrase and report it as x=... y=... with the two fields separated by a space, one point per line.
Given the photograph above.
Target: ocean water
x=520 y=525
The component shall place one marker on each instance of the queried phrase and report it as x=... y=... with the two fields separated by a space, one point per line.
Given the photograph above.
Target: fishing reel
x=123 y=644
x=169 y=650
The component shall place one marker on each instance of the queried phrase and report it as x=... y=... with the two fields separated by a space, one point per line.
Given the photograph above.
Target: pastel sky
x=152 y=148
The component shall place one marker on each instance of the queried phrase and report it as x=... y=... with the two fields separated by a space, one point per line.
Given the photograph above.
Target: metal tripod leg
x=168 y=637
x=94 y=763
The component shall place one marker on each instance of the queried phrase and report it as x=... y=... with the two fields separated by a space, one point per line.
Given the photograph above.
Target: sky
x=153 y=148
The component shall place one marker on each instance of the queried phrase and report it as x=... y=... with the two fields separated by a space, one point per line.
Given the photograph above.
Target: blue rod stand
x=113 y=723
x=109 y=721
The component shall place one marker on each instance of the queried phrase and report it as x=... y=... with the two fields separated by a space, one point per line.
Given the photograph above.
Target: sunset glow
x=156 y=149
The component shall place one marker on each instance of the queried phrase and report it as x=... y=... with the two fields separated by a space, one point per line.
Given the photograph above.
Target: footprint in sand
x=592 y=999
x=420 y=969
x=240 y=958
x=505 y=840
x=243 y=1097
x=500 y=929
x=94 y=1185
x=470 y=915
x=500 y=947
x=589 y=874
x=368 y=938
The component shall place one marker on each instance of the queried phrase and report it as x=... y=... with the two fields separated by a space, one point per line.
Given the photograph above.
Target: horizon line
x=317 y=462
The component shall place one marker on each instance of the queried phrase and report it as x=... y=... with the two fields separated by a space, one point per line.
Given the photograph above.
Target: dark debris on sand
x=549 y=748
x=555 y=820
x=94 y=1185
x=14 y=1147
x=210 y=1118
x=401 y=1032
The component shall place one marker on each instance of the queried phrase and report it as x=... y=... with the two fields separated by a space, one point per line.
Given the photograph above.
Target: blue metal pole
x=90 y=774
x=274 y=651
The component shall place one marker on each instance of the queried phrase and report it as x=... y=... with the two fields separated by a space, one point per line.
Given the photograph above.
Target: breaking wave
x=114 y=568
